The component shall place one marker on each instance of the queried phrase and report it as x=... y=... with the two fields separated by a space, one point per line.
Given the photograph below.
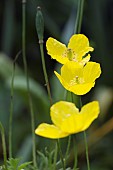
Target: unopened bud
x=39 y=24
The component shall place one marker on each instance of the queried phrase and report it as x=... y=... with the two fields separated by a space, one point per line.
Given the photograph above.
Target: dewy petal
x=61 y=110
x=79 y=43
x=50 y=131
x=91 y=71
x=56 y=50
x=80 y=122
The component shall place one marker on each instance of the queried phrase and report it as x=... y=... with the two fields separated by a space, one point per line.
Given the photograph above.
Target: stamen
x=69 y=54
x=76 y=80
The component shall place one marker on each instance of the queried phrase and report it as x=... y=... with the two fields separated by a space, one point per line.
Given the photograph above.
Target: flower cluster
x=78 y=75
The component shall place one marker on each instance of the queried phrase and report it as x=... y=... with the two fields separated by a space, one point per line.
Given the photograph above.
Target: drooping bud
x=39 y=24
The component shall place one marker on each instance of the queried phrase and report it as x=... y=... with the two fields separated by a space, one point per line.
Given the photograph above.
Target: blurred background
x=59 y=17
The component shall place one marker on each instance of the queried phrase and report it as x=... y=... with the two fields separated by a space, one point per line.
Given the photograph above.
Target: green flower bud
x=39 y=24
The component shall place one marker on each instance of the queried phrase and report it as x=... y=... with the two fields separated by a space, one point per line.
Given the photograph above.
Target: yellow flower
x=77 y=48
x=78 y=79
x=67 y=119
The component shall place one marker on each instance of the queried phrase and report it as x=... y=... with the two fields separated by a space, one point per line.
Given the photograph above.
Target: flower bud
x=39 y=24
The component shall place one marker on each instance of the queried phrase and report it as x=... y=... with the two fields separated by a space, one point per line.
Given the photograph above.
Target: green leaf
x=24 y=165
x=40 y=98
x=13 y=163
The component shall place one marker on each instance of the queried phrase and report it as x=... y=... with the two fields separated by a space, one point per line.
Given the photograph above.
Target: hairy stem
x=12 y=106
x=79 y=17
x=87 y=155
x=27 y=80
x=45 y=71
x=61 y=155
x=4 y=145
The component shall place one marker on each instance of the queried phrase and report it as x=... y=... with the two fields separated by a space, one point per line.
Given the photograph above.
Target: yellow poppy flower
x=77 y=48
x=78 y=79
x=67 y=119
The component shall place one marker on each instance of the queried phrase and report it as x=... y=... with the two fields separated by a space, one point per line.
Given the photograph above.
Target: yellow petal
x=70 y=70
x=62 y=81
x=80 y=45
x=80 y=122
x=85 y=59
x=56 y=50
x=50 y=131
x=89 y=112
x=91 y=71
x=77 y=78
x=81 y=89
x=61 y=110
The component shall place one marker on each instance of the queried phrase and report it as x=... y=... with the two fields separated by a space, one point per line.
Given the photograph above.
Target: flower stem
x=77 y=30
x=79 y=17
x=4 y=145
x=85 y=140
x=44 y=70
x=75 y=153
x=11 y=106
x=61 y=156
x=55 y=157
x=11 y=114
x=27 y=79
x=67 y=150
x=87 y=155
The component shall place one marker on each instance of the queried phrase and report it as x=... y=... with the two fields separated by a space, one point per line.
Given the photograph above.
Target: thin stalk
x=55 y=157
x=77 y=30
x=61 y=156
x=79 y=17
x=75 y=153
x=12 y=106
x=27 y=80
x=87 y=155
x=11 y=113
x=45 y=71
x=85 y=141
x=4 y=145
x=68 y=147
x=49 y=95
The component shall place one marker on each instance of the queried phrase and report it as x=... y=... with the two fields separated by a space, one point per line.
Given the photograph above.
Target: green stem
x=61 y=156
x=44 y=70
x=75 y=153
x=77 y=30
x=4 y=145
x=55 y=157
x=87 y=155
x=12 y=106
x=79 y=17
x=85 y=140
x=68 y=147
x=11 y=114
x=27 y=80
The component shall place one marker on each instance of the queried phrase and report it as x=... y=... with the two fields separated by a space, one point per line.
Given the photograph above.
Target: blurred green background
x=59 y=18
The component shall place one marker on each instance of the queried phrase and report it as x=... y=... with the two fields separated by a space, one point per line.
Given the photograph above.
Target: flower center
x=76 y=80
x=70 y=54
